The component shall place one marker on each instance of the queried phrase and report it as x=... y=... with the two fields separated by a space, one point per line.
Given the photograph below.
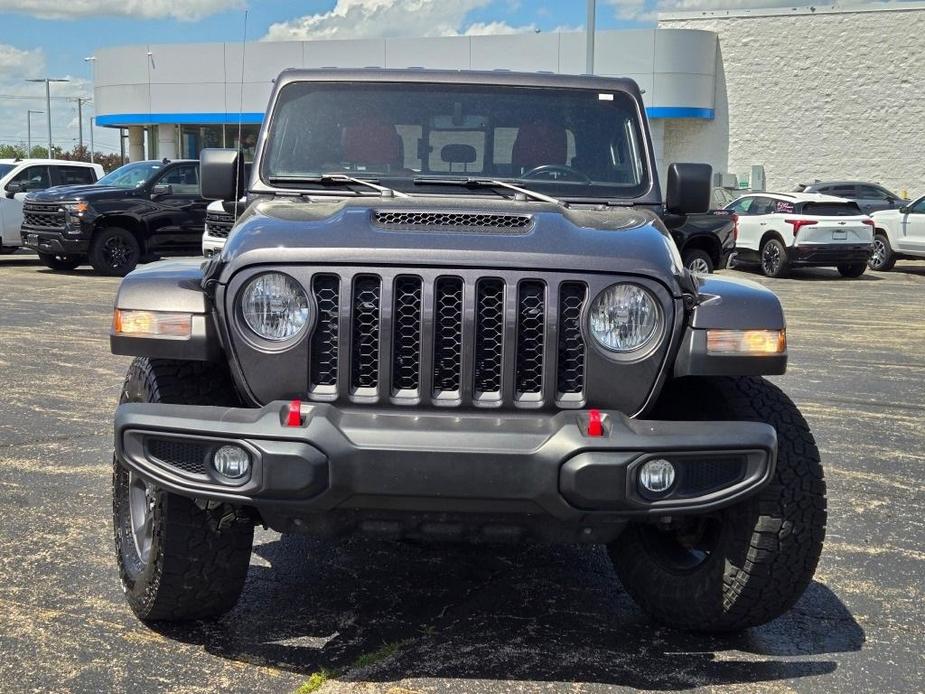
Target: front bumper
x=459 y=463
x=830 y=254
x=55 y=242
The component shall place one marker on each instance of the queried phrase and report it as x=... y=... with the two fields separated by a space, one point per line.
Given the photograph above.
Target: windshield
x=564 y=142
x=5 y=169
x=131 y=175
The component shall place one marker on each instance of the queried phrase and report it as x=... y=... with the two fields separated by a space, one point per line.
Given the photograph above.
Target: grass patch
x=387 y=650
x=315 y=682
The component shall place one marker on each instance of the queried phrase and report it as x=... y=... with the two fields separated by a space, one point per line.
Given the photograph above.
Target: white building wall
x=825 y=94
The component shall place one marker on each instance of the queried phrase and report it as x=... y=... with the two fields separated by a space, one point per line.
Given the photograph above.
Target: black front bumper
x=829 y=254
x=54 y=242
x=375 y=461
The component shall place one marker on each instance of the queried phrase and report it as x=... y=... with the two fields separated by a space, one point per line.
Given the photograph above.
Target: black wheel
x=746 y=564
x=61 y=262
x=178 y=559
x=882 y=258
x=852 y=270
x=774 y=259
x=698 y=261
x=114 y=251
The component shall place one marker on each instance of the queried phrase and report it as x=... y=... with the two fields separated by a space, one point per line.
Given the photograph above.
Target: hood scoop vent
x=452 y=222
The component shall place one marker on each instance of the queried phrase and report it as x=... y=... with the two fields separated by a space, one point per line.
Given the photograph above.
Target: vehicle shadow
x=376 y=611
x=809 y=274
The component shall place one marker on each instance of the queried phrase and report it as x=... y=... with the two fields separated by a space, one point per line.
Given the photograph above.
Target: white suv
x=784 y=230
x=21 y=176
x=898 y=234
x=218 y=225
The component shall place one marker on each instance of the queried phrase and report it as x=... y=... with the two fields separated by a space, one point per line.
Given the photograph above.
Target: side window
x=871 y=193
x=34 y=178
x=184 y=179
x=743 y=206
x=918 y=207
x=761 y=206
x=74 y=175
x=849 y=192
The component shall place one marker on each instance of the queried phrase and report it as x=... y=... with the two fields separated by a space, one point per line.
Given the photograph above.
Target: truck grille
x=37 y=215
x=447 y=339
x=219 y=224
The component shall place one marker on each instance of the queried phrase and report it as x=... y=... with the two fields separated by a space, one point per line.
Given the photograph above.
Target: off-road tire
x=773 y=246
x=115 y=251
x=852 y=270
x=699 y=257
x=61 y=262
x=887 y=257
x=766 y=548
x=199 y=553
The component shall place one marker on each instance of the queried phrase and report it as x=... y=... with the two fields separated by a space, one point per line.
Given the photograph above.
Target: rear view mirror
x=905 y=209
x=688 y=190
x=162 y=189
x=13 y=188
x=221 y=174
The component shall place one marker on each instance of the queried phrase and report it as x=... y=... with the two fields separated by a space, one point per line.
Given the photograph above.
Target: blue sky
x=39 y=37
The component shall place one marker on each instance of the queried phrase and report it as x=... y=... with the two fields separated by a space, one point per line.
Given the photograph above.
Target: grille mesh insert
x=219 y=224
x=448 y=309
x=531 y=316
x=326 y=289
x=456 y=221
x=188 y=456
x=571 y=367
x=365 y=318
x=489 y=335
x=406 y=337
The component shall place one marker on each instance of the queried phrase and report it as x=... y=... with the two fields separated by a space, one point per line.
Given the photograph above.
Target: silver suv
x=870 y=197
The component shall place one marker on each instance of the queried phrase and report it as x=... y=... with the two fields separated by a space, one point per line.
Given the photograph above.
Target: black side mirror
x=13 y=188
x=161 y=189
x=905 y=209
x=221 y=174
x=688 y=190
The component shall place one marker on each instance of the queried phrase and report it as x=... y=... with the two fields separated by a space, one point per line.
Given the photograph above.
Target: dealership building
x=786 y=95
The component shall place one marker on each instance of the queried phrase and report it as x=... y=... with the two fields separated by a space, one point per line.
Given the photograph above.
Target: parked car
x=21 y=176
x=138 y=212
x=705 y=240
x=218 y=225
x=440 y=319
x=780 y=231
x=870 y=197
x=898 y=234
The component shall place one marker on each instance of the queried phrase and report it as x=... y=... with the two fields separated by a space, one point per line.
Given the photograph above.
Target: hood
x=382 y=231
x=81 y=192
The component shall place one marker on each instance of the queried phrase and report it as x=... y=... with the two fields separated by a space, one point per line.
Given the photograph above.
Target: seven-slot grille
x=36 y=215
x=447 y=339
x=219 y=224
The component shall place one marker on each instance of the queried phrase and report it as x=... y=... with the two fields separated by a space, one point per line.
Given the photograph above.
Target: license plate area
x=840 y=235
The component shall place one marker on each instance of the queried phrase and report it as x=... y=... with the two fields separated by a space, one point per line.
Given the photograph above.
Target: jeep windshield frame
x=568 y=137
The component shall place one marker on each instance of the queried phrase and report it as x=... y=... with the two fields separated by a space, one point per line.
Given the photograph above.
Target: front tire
x=775 y=262
x=61 y=262
x=852 y=270
x=114 y=251
x=882 y=258
x=748 y=563
x=698 y=261
x=178 y=559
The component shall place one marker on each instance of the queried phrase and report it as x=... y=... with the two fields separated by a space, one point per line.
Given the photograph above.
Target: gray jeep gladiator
x=453 y=310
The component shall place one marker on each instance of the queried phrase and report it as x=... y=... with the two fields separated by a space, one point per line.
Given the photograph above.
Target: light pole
x=589 y=39
x=48 y=81
x=91 y=59
x=29 y=130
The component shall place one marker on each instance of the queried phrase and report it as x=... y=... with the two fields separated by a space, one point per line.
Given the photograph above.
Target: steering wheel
x=551 y=171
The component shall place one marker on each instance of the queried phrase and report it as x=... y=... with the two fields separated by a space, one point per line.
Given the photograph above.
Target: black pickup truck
x=138 y=212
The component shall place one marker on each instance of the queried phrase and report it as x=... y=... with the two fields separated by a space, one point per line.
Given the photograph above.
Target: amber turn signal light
x=747 y=342
x=152 y=323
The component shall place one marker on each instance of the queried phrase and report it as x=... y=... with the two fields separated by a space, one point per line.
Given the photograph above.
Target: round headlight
x=623 y=317
x=274 y=306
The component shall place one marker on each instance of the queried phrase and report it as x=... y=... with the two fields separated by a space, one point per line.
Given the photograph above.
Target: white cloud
x=351 y=19
x=17 y=62
x=185 y=10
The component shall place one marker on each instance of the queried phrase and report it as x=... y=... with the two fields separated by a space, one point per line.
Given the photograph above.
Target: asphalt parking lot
x=400 y=617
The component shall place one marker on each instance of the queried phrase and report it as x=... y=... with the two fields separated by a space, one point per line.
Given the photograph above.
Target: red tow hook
x=294 y=417
x=595 y=423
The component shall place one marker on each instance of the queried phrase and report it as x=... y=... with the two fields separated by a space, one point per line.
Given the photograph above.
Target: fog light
x=232 y=462
x=656 y=476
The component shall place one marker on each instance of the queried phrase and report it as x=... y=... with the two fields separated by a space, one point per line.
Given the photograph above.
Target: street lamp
x=589 y=37
x=91 y=59
x=29 y=113
x=48 y=81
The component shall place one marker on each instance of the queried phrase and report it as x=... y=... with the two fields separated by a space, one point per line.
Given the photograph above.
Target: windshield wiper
x=471 y=182
x=339 y=179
